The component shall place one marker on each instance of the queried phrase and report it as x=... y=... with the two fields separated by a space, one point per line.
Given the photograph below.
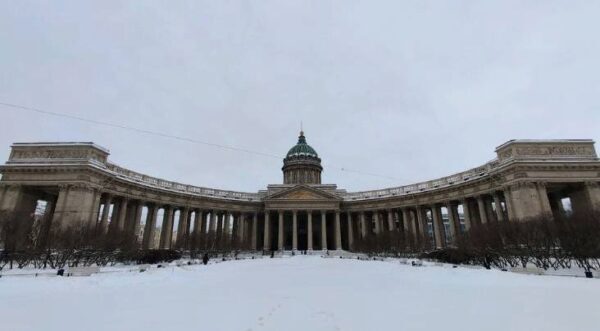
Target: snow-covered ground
x=301 y=293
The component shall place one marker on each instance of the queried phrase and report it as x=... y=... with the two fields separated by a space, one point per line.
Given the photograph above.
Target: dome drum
x=302 y=164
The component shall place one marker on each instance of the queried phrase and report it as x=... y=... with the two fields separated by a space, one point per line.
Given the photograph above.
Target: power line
x=138 y=130
x=170 y=136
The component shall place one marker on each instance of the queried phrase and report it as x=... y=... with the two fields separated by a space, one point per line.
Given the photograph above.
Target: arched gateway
x=81 y=188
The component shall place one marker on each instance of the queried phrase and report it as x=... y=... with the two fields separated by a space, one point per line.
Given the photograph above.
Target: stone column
x=438 y=226
x=295 y=231
x=242 y=229
x=199 y=225
x=182 y=227
x=454 y=222
x=267 y=234
x=309 y=231
x=390 y=220
x=205 y=229
x=138 y=220
x=405 y=221
x=414 y=225
x=421 y=220
x=130 y=218
x=350 y=232
x=11 y=197
x=376 y=221
x=95 y=210
x=323 y=230
x=235 y=227
x=528 y=202
x=114 y=218
x=363 y=225
x=150 y=228
x=122 y=214
x=214 y=219
x=544 y=202
x=466 y=214
x=509 y=204
x=205 y=222
x=592 y=195
x=61 y=204
x=498 y=204
x=219 y=236
x=188 y=234
x=482 y=210
x=164 y=231
x=3 y=190
x=73 y=207
x=254 y=231
x=105 y=213
x=227 y=229
x=338 y=231
x=281 y=240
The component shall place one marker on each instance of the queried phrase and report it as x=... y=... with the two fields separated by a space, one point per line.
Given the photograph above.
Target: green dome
x=302 y=148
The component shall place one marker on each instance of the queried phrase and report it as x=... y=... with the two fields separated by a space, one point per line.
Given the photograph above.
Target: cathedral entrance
x=302 y=231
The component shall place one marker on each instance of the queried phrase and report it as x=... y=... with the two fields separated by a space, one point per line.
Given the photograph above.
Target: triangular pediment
x=303 y=192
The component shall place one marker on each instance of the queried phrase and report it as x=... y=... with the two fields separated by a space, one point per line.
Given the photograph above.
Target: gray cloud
x=410 y=90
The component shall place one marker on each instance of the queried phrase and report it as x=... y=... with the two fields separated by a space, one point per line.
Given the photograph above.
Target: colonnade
x=209 y=228
x=148 y=224
x=438 y=223
x=427 y=221
x=311 y=225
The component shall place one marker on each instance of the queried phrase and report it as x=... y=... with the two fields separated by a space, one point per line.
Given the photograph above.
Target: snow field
x=300 y=293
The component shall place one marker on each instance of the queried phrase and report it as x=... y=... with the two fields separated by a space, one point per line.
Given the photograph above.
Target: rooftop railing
x=463 y=177
x=443 y=182
x=178 y=187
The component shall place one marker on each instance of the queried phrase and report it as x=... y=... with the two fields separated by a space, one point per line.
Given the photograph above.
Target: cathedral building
x=81 y=188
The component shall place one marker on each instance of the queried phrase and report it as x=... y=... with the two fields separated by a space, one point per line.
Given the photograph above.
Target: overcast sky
x=411 y=90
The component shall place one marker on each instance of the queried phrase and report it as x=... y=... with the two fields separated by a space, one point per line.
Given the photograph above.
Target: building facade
x=81 y=188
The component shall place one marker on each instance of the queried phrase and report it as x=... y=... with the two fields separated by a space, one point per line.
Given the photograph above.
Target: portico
x=307 y=217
